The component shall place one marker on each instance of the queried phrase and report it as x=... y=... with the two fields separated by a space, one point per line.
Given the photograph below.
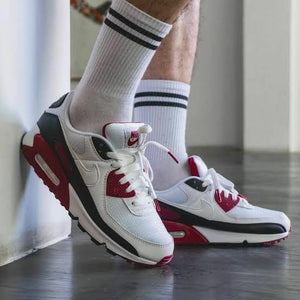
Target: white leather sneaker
x=205 y=208
x=102 y=181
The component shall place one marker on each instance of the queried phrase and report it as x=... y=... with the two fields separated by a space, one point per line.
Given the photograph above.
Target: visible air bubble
x=177 y=234
x=43 y=165
x=184 y=234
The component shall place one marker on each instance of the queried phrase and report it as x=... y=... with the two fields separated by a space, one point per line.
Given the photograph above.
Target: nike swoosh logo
x=191 y=208
x=90 y=174
x=132 y=141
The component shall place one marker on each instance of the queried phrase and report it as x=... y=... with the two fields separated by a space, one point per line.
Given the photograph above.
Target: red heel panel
x=41 y=147
x=191 y=235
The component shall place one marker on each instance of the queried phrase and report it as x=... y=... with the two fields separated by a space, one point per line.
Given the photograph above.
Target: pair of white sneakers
x=104 y=181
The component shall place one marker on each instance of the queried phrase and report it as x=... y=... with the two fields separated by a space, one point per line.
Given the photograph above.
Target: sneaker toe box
x=258 y=215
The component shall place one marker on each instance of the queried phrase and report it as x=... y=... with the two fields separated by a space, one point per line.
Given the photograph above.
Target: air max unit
x=205 y=208
x=102 y=182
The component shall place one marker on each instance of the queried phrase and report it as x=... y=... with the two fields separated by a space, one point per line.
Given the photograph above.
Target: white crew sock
x=124 y=48
x=163 y=105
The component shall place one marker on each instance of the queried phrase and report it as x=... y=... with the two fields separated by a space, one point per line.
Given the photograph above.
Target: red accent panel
x=41 y=147
x=225 y=203
x=60 y=150
x=192 y=236
x=115 y=189
x=168 y=214
x=193 y=167
x=158 y=209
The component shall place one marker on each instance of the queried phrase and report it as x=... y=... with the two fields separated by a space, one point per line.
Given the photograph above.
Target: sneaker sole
x=46 y=165
x=195 y=235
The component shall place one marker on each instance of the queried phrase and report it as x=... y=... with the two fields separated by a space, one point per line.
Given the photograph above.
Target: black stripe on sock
x=134 y=26
x=129 y=35
x=159 y=103
x=160 y=94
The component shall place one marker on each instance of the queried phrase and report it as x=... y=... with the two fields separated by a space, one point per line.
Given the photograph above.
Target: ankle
x=167 y=173
x=91 y=110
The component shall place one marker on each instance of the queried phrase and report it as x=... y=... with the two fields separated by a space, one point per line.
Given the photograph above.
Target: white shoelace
x=219 y=182
x=136 y=168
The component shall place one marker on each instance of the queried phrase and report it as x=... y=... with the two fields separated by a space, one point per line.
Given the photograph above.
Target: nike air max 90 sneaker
x=205 y=208
x=103 y=181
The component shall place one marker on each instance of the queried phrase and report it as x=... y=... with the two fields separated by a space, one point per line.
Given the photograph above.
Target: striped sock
x=163 y=105
x=124 y=48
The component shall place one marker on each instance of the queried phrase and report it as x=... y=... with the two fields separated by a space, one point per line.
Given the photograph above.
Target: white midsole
x=77 y=210
x=217 y=236
x=28 y=138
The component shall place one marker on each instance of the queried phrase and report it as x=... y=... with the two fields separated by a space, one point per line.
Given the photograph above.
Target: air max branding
x=134 y=138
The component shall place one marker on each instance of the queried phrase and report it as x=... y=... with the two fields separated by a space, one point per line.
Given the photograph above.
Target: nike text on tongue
x=124 y=135
x=134 y=137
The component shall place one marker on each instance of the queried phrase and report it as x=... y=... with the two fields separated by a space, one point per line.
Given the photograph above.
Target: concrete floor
x=77 y=269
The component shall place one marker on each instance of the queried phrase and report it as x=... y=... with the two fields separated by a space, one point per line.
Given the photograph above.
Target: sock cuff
x=165 y=86
x=162 y=93
x=134 y=21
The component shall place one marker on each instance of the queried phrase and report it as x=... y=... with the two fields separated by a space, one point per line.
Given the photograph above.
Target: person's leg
x=124 y=48
x=100 y=176
x=198 y=205
x=161 y=99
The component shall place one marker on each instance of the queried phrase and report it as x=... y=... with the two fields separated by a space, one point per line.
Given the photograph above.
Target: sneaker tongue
x=122 y=135
x=197 y=166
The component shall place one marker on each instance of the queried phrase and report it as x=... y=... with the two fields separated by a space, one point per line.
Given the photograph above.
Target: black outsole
x=102 y=244
x=71 y=216
x=111 y=252
x=80 y=227
x=96 y=242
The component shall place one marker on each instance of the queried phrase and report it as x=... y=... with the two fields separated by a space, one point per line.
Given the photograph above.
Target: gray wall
x=35 y=71
x=215 y=111
x=272 y=75
x=83 y=36
x=215 y=115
